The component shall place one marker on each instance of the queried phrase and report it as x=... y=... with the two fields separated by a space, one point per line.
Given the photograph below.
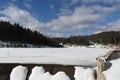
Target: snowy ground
x=64 y=56
x=113 y=73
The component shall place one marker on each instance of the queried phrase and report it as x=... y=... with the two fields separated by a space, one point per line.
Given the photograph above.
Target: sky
x=63 y=18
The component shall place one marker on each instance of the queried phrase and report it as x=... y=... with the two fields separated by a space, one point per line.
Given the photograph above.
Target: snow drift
x=82 y=73
x=38 y=73
x=113 y=73
x=19 y=73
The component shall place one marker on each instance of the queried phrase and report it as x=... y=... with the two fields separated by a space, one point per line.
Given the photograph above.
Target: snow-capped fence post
x=102 y=66
x=19 y=73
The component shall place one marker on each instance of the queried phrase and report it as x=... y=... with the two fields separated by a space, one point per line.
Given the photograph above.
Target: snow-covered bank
x=113 y=73
x=63 y=56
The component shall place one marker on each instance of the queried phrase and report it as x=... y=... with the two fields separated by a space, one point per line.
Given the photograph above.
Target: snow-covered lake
x=61 y=56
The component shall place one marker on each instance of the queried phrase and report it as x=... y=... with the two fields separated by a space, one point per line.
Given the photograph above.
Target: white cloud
x=27 y=3
x=106 y=10
x=64 y=12
x=23 y=17
x=114 y=26
x=52 y=7
x=29 y=6
x=101 y=1
x=97 y=32
x=85 y=18
x=14 y=0
x=14 y=14
x=4 y=18
x=51 y=34
x=82 y=19
x=74 y=1
x=30 y=1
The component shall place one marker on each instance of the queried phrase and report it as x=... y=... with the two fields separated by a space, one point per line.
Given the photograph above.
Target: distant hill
x=110 y=37
x=16 y=33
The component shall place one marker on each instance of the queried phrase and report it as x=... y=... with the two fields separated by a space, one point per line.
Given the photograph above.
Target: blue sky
x=63 y=18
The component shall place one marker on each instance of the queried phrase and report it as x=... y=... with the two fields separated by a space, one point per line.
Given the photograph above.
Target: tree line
x=16 y=33
x=106 y=38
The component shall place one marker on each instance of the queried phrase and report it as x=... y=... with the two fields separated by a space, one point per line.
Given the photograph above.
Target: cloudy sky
x=63 y=18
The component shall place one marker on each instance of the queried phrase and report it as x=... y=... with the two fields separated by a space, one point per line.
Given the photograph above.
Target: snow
x=19 y=73
x=38 y=73
x=60 y=76
x=64 y=56
x=82 y=73
x=7 y=44
x=46 y=76
x=97 y=46
x=113 y=73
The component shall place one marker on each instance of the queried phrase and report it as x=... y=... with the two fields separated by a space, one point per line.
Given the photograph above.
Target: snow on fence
x=104 y=70
x=38 y=73
x=19 y=73
x=61 y=56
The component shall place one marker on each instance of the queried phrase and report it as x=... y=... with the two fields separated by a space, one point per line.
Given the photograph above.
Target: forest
x=16 y=33
x=106 y=38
